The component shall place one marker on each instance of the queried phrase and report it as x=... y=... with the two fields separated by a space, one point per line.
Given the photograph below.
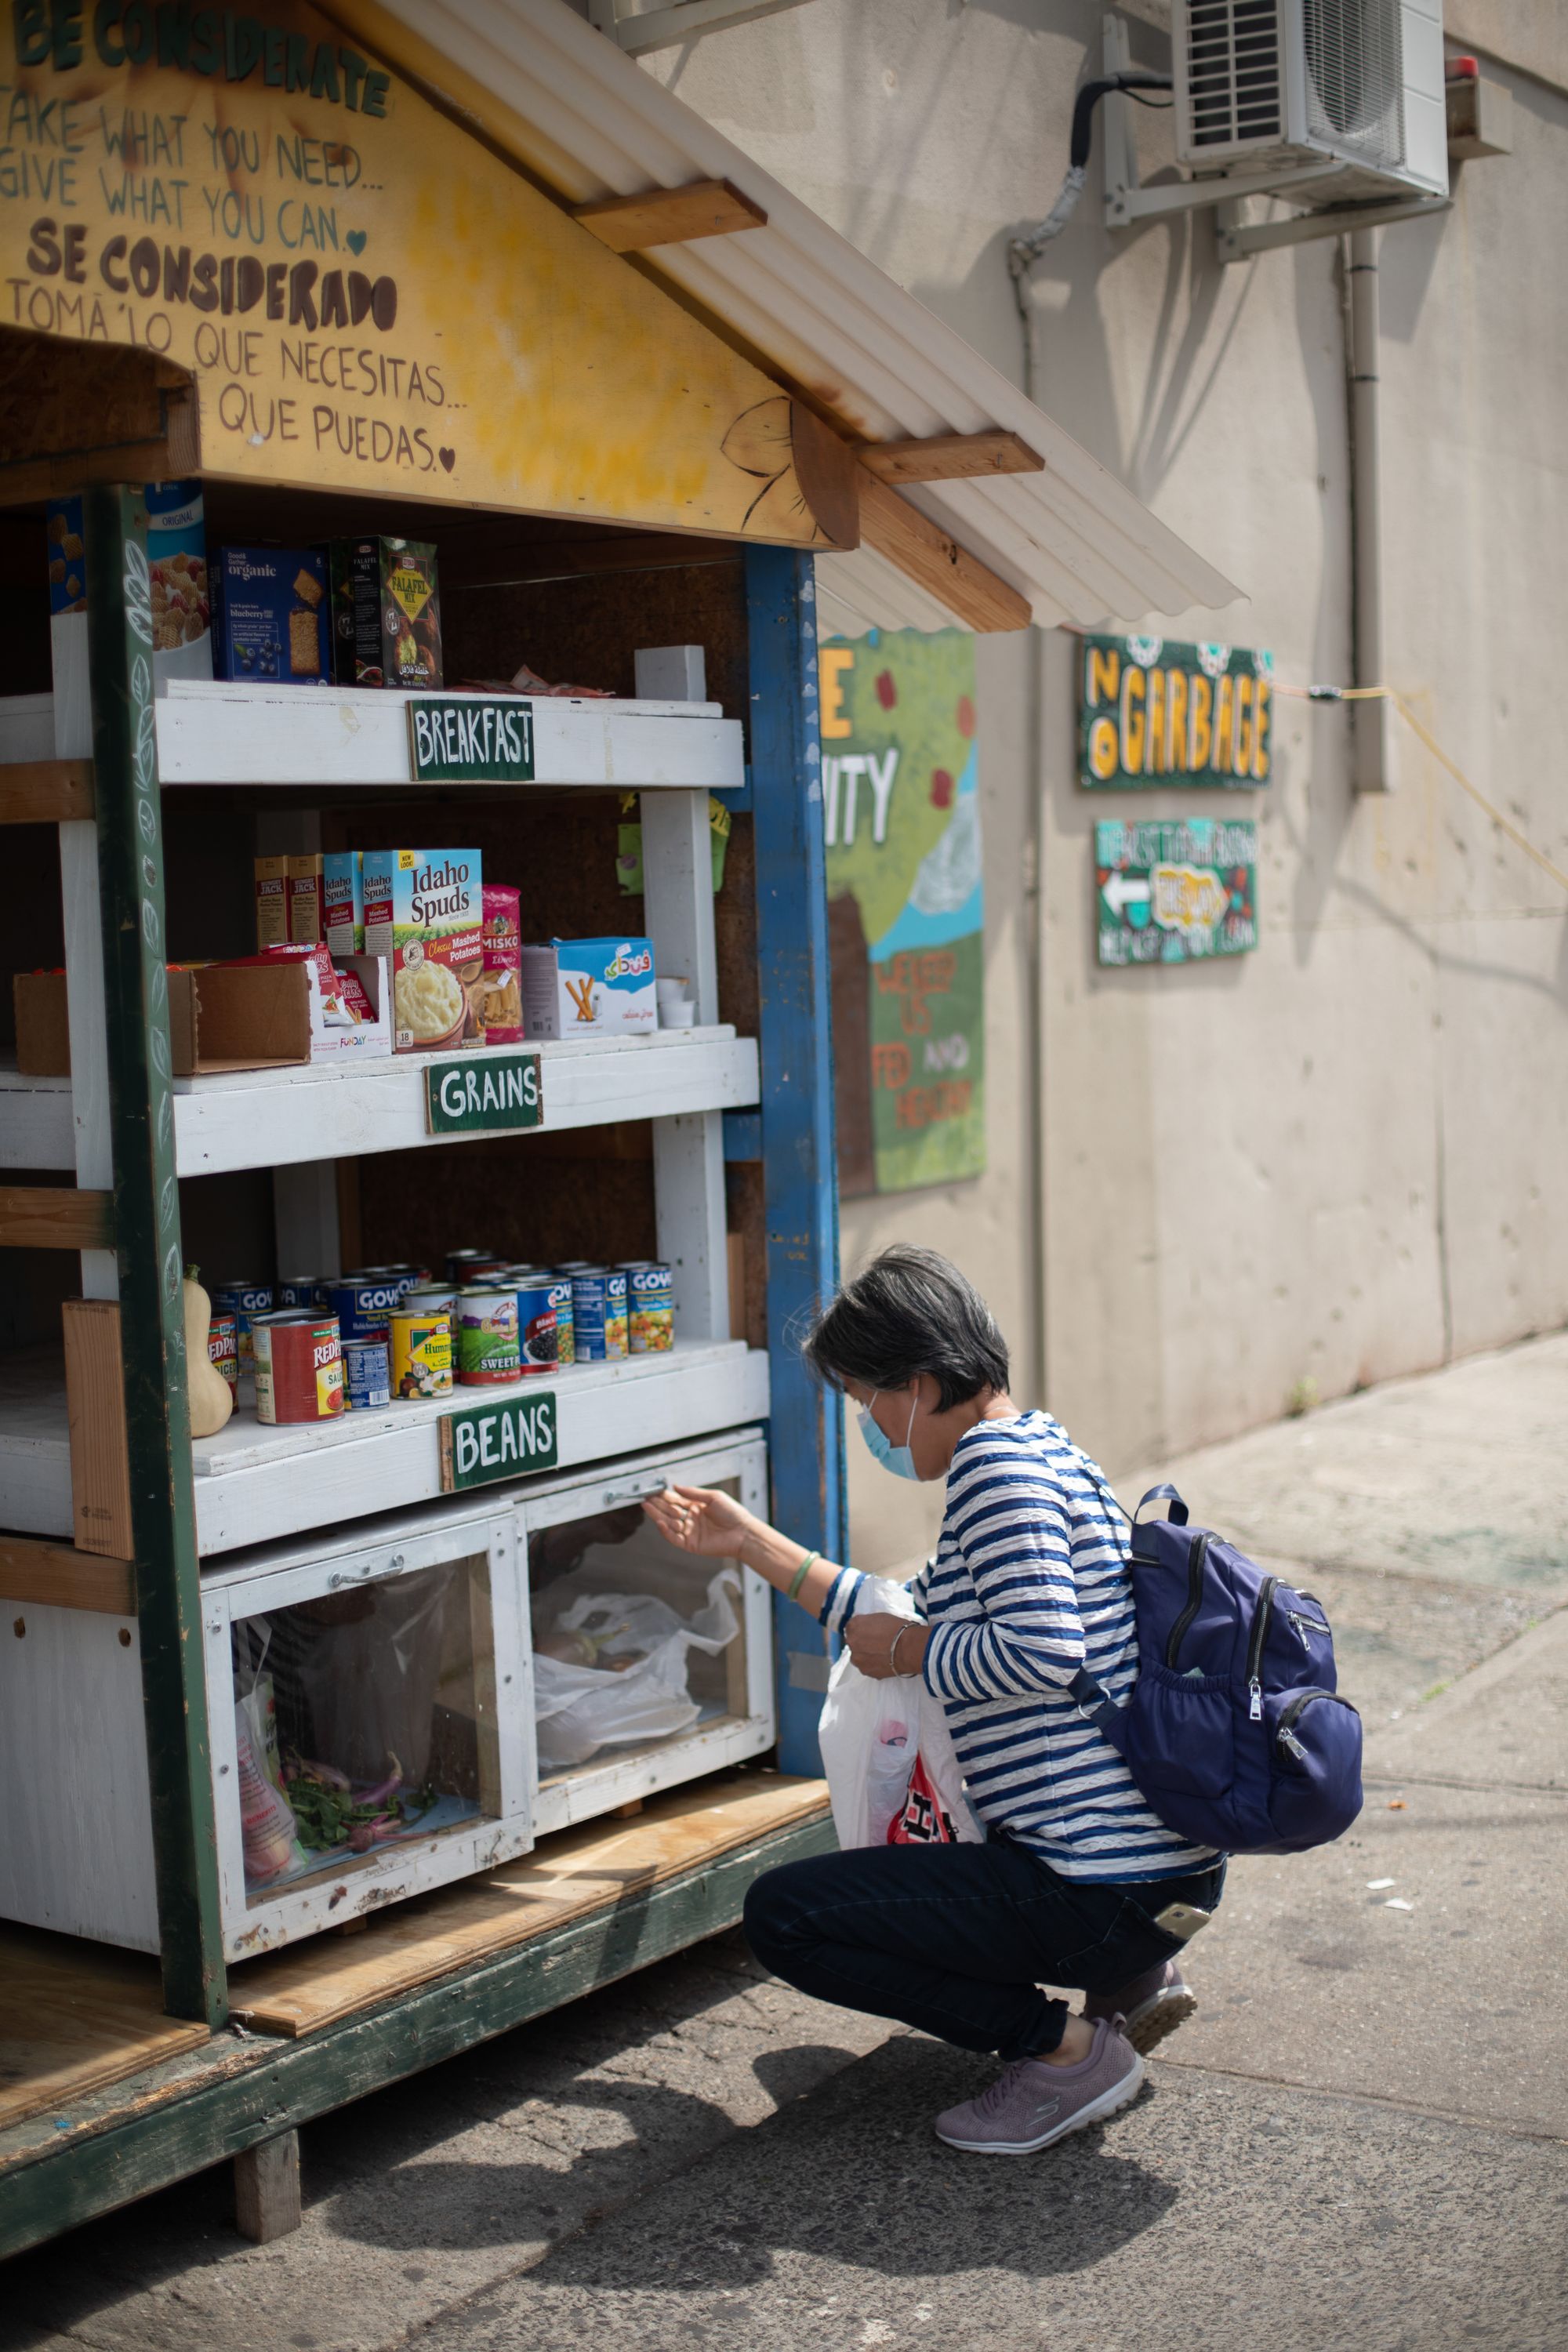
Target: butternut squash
x=212 y=1398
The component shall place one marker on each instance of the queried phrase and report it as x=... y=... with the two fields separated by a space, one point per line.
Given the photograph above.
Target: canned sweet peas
x=487 y=1337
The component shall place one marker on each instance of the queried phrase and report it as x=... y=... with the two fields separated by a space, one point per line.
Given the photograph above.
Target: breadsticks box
x=423 y=911
x=270 y=616
x=588 y=988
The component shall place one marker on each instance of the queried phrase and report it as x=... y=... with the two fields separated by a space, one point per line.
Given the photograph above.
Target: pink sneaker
x=1030 y=2104
x=1152 y=2005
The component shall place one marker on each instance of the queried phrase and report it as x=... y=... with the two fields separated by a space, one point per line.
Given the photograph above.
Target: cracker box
x=270 y=615
x=589 y=988
x=342 y=889
x=423 y=911
x=387 y=613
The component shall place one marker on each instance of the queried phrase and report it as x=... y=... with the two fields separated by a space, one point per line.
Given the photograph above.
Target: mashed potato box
x=588 y=988
x=424 y=912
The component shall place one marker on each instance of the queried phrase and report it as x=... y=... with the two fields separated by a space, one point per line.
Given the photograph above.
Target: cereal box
x=580 y=988
x=178 y=592
x=342 y=890
x=500 y=987
x=386 y=613
x=424 y=909
x=270 y=615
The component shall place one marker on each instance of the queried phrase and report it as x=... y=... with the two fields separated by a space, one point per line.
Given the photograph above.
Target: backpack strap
x=1092 y=1699
x=1165 y=1493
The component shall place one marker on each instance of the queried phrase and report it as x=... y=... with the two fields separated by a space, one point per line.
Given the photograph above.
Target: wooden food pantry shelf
x=335 y=1110
x=253 y=1482
x=322 y=736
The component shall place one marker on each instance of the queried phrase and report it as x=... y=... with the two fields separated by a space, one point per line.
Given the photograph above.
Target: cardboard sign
x=506 y=1439
x=1151 y=712
x=484 y=1093
x=1175 y=893
x=471 y=742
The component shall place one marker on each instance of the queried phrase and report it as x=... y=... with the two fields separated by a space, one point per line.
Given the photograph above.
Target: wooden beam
x=267 y=2189
x=828 y=477
x=45 y=792
x=936 y=563
x=670 y=215
x=95 y=1415
x=73 y=413
x=60 y=1577
x=55 y=1216
x=951 y=457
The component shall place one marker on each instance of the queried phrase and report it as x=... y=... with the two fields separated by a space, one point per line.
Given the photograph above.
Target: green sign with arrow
x=1175 y=893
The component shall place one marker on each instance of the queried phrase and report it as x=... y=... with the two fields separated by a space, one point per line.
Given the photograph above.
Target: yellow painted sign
x=368 y=300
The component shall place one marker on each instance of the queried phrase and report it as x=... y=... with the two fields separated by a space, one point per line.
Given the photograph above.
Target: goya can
x=565 y=1323
x=222 y=1348
x=421 y=1351
x=298 y=1367
x=411 y=1277
x=363 y=1302
x=650 y=1308
x=538 y=1336
x=365 y=1381
x=598 y=1315
x=244 y=1301
x=486 y=1337
x=301 y=1290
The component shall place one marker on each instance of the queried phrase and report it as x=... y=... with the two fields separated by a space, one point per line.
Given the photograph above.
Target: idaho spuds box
x=588 y=988
x=424 y=909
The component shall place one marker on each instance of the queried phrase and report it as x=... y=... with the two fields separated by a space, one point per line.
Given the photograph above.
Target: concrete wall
x=1346 y=1156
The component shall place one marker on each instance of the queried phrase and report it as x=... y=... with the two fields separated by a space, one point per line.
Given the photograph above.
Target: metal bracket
x=1236 y=238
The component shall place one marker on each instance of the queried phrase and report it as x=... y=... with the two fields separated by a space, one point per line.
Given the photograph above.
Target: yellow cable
x=1372 y=693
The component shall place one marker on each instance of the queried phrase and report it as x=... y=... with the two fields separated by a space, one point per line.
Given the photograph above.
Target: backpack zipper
x=1286 y=1735
x=1195 y=1559
x=1260 y=1617
x=1304 y=1626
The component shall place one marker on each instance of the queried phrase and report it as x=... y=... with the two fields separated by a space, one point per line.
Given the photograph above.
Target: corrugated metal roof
x=579 y=114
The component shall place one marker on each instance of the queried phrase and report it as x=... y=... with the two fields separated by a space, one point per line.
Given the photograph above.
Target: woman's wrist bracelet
x=798 y=1579
x=893 y=1653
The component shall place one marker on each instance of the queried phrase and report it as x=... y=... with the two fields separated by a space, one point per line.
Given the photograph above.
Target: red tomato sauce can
x=223 y=1348
x=298 y=1367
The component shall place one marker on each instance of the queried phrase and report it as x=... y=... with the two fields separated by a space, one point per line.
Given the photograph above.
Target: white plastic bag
x=892 y=1775
x=580 y=1707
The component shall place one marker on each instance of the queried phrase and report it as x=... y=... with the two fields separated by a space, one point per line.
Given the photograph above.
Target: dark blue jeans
x=958 y=1940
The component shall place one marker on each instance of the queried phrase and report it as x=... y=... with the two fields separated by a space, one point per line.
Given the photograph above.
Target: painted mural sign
x=902 y=820
x=1151 y=712
x=366 y=297
x=1175 y=893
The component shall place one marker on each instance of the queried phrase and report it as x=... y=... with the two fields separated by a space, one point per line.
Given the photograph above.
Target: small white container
x=677 y=1012
x=671 y=992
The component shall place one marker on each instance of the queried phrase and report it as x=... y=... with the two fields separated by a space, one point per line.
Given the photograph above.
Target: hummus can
x=298 y=1367
x=421 y=1353
x=486 y=1335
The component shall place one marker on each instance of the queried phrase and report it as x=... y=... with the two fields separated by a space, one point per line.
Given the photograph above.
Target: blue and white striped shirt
x=1028 y=1584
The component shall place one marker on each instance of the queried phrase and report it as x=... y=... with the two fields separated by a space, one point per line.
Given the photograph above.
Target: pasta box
x=423 y=911
x=589 y=988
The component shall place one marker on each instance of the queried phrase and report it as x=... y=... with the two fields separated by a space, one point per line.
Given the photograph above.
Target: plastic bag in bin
x=613 y=1670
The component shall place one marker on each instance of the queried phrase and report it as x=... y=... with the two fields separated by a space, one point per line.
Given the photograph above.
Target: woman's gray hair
x=910 y=1311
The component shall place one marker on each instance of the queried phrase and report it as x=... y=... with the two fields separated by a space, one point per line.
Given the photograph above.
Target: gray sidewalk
x=1358 y=2141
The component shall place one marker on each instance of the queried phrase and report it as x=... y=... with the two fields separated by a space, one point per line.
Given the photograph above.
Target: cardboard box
x=424 y=912
x=270 y=618
x=43 y=1026
x=241 y=1016
x=387 y=613
x=342 y=901
x=589 y=988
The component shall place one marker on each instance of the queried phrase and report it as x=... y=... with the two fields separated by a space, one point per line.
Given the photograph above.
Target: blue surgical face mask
x=879 y=1445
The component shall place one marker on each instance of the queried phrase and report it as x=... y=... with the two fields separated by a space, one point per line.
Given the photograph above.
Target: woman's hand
x=871 y=1641
x=702 y=1520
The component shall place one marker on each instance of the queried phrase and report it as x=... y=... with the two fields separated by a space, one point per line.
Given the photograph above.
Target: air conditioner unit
x=1261 y=83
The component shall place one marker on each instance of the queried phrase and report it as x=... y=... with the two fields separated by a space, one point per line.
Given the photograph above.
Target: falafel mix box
x=423 y=911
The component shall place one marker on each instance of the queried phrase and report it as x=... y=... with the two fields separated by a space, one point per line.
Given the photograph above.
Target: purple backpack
x=1234 y=1732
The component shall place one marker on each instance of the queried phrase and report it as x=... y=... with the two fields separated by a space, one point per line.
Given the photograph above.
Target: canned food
x=298 y=1367
x=486 y=1337
x=650 y=1308
x=222 y=1343
x=365 y=1381
x=432 y=1299
x=362 y=1301
x=244 y=1301
x=421 y=1351
x=301 y=1289
x=565 y=1325
x=411 y=1277
x=598 y=1315
x=463 y=1264
x=538 y=1338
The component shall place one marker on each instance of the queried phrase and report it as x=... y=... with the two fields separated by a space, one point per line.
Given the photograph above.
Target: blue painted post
x=800 y=1180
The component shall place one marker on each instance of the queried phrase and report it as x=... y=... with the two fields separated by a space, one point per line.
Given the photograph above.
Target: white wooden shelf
x=340 y=1110
x=329 y=736
x=255 y=1483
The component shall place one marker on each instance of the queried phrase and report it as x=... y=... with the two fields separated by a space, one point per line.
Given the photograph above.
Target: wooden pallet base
x=107 y=2112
